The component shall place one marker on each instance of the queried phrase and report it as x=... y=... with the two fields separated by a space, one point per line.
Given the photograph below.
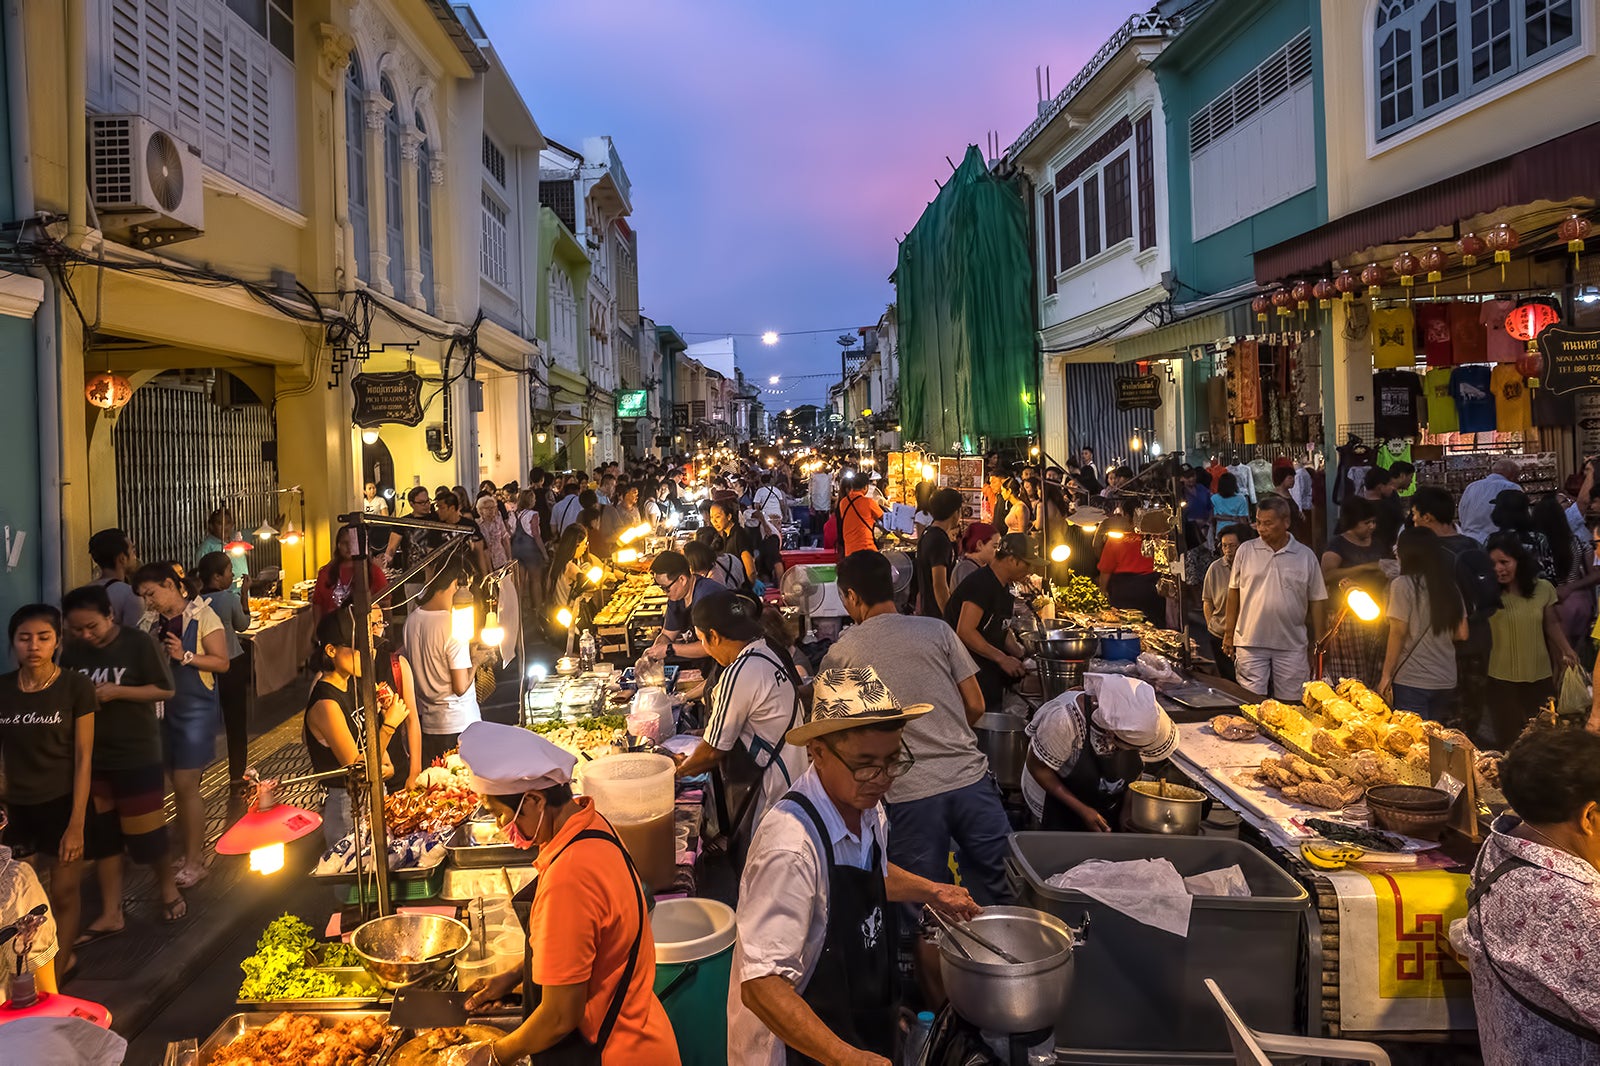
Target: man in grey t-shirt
x=948 y=795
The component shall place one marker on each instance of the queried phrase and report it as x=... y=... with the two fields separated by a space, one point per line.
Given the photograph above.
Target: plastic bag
x=1573 y=701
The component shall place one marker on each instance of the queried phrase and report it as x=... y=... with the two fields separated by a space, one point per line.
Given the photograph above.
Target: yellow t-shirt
x=1394 y=343
x=1441 y=405
x=1513 y=407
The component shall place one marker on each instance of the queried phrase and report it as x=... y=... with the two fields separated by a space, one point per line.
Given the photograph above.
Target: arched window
x=425 y=212
x=1429 y=55
x=394 y=206
x=355 y=139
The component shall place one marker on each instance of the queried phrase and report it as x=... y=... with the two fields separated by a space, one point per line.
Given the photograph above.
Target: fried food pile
x=1233 y=727
x=305 y=1041
x=1315 y=785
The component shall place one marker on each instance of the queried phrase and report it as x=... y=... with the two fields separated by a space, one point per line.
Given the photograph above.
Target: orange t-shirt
x=861 y=512
x=585 y=916
x=1125 y=556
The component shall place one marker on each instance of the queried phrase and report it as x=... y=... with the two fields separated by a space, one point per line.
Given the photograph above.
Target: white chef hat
x=506 y=760
x=1127 y=709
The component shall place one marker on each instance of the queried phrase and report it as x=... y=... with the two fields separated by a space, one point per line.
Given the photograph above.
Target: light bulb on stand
x=493 y=633
x=564 y=616
x=369 y=436
x=1362 y=605
x=463 y=616
x=1060 y=553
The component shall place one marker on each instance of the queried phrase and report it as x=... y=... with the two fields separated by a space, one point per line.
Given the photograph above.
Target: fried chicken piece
x=1370 y=704
x=1486 y=764
x=1329 y=795
x=1297 y=766
x=1233 y=727
x=1340 y=710
x=1274 y=714
x=1362 y=737
x=1367 y=768
x=1399 y=740
x=1326 y=744
x=1407 y=720
x=1315 y=694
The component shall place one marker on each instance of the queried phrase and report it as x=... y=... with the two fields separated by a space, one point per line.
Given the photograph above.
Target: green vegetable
x=600 y=721
x=1080 y=595
x=278 y=969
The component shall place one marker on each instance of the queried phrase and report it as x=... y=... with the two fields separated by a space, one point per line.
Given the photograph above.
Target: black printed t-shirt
x=1396 y=411
x=127 y=735
x=37 y=730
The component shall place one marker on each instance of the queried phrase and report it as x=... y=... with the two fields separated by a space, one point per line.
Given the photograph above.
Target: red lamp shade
x=1434 y=260
x=1526 y=321
x=1471 y=246
x=1283 y=300
x=107 y=391
x=238 y=546
x=262 y=829
x=1407 y=267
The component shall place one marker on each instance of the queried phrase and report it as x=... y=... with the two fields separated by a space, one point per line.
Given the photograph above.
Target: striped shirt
x=755 y=699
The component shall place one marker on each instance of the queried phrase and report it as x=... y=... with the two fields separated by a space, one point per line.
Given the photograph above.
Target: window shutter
x=187 y=91
x=1047 y=233
x=1145 y=163
x=1070 y=226
x=1091 y=217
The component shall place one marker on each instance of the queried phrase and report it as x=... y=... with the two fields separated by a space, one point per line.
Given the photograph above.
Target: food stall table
x=277 y=646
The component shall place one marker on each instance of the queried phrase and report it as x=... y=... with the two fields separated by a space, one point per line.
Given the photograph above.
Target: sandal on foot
x=89 y=936
x=174 y=910
x=189 y=876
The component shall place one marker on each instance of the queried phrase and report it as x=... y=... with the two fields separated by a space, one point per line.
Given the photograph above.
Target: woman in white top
x=754 y=703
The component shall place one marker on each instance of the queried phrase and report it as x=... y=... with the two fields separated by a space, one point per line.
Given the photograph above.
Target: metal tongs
x=951 y=928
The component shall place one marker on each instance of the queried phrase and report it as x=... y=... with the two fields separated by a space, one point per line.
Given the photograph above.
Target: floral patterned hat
x=850 y=699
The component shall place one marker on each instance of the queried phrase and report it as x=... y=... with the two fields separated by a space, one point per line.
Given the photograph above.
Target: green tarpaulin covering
x=964 y=296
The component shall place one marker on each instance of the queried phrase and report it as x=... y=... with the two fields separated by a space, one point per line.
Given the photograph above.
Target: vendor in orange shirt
x=1127 y=576
x=858 y=514
x=590 y=963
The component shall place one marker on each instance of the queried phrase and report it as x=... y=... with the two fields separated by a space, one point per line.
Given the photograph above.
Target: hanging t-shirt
x=1388 y=456
x=1467 y=334
x=1441 y=405
x=1474 y=399
x=1513 y=412
x=1433 y=332
x=1502 y=346
x=1395 y=403
x=1393 y=338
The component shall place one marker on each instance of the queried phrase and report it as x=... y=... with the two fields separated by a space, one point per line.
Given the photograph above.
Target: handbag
x=484 y=681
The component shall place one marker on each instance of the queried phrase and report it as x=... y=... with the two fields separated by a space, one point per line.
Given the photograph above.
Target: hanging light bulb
x=369 y=436
x=594 y=574
x=493 y=633
x=463 y=616
x=541 y=436
x=1134 y=443
x=291 y=535
x=238 y=546
x=564 y=616
x=1362 y=605
x=1060 y=553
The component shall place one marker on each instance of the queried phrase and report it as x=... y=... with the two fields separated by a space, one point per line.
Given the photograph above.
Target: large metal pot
x=1154 y=807
x=1003 y=738
x=402 y=949
x=1004 y=997
x=1072 y=644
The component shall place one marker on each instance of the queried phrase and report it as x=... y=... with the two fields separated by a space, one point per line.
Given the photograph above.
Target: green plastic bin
x=694 y=958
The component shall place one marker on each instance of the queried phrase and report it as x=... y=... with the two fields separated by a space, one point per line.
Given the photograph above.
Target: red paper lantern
x=1283 y=300
x=1347 y=283
x=107 y=391
x=1471 y=246
x=1260 y=305
x=1324 y=291
x=1574 y=229
x=1407 y=267
x=1526 y=321
x=1530 y=364
x=1372 y=277
x=1434 y=260
x=1503 y=239
x=1302 y=294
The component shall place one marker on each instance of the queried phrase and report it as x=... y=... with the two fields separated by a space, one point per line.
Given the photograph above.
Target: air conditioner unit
x=145 y=181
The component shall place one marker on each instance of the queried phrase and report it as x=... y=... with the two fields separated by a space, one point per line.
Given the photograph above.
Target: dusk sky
x=779 y=151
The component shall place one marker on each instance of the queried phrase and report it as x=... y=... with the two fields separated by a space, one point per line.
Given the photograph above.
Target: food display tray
x=1198 y=697
x=235 y=1024
x=341 y=1003
x=456 y=889
x=463 y=852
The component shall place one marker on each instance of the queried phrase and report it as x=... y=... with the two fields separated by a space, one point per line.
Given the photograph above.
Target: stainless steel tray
x=234 y=1024
x=348 y=974
x=463 y=852
x=454 y=892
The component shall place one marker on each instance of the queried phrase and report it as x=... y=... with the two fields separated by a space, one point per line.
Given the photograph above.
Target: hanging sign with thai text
x=1571 y=359
x=388 y=397
x=1138 y=393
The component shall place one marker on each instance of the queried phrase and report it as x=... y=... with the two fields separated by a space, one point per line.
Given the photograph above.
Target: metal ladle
x=966 y=930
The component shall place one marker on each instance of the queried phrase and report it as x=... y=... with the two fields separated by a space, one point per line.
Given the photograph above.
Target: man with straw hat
x=588 y=969
x=814 y=965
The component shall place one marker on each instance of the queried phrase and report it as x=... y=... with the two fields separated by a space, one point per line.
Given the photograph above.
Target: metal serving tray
x=463 y=852
x=457 y=890
x=235 y=1024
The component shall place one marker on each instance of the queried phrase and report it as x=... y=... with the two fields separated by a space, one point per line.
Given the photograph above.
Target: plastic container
x=916 y=1047
x=694 y=958
x=1139 y=989
x=470 y=970
x=635 y=794
x=654 y=703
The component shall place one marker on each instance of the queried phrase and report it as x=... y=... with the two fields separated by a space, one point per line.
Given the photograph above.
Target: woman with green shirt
x=1528 y=644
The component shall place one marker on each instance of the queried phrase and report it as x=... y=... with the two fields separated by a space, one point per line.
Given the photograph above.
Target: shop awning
x=1558 y=169
x=1204 y=328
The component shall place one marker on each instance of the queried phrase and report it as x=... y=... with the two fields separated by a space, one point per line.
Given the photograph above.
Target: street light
x=769 y=338
x=773 y=380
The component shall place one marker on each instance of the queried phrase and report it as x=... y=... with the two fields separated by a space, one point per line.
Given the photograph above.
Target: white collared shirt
x=783 y=906
x=1276 y=588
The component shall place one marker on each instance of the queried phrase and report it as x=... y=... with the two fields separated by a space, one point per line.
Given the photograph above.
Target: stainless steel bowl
x=402 y=949
x=1173 y=810
x=1007 y=997
x=1070 y=644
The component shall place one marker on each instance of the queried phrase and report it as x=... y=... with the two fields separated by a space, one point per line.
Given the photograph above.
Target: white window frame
x=1097 y=171
x=1493 y=88
x=495 y=229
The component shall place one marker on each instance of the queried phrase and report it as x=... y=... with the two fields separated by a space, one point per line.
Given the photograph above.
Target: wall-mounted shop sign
x=1571 y=359
x=635 y=403
x=1138 y=393
x=388 y=397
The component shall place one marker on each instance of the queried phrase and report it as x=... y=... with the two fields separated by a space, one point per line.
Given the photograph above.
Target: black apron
x=737 y=782
x=854 y=990
x=574 y=1049
x=1087 y=782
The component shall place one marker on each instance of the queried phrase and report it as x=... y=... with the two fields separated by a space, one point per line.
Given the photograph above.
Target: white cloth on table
x=68 y=1041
